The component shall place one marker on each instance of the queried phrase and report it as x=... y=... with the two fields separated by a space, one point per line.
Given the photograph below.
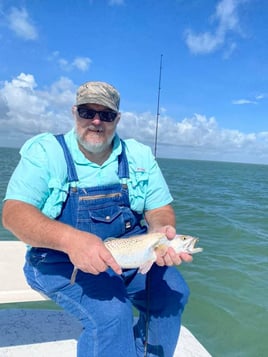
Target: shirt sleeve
x=147 y=186
x=39 y=178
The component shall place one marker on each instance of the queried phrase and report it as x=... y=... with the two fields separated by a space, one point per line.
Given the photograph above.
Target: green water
x=226 y=206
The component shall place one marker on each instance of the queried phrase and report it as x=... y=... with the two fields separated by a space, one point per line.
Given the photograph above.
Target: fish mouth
x=191 y=243
x=190 y=248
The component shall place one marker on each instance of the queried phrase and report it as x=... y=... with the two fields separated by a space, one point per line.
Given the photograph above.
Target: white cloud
x=116 y=2
x=26 y=110
x=203 y=43
x=80 y=63
x=197 y=137
x=261 y=96
x=110 y=2
x=256 y=100
x=226 y=19
x=243 y=101
x=20 y=23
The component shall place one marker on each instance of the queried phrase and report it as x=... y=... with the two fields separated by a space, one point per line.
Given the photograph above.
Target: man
x=68 y=194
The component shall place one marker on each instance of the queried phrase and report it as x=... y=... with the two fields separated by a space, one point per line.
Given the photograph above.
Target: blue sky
x=214 y=94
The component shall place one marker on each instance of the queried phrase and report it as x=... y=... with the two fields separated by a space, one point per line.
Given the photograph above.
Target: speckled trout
x=140 y=252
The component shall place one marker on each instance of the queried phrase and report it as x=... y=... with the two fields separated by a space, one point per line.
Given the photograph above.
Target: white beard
x=94 y=148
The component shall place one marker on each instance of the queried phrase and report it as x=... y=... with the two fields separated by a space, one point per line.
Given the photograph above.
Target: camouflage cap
x=98 y=93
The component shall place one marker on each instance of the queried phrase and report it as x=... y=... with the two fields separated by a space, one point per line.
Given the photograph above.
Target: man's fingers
x=186 y=257
x=160 y=261
x=175 y=258
x=168 y=260
x=111 y=262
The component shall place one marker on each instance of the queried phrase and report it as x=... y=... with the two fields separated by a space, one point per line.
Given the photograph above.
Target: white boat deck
x=53 y=333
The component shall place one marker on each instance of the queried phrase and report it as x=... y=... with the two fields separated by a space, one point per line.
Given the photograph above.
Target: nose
x=96 y=119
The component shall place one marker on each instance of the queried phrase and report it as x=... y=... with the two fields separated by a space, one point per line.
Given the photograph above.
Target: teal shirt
x=40 y=178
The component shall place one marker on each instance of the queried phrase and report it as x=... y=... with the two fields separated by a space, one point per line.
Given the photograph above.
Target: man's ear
x=118 y=118
x=73 y=109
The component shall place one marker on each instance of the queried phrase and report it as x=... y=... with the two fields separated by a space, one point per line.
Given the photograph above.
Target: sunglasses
x=86 y=113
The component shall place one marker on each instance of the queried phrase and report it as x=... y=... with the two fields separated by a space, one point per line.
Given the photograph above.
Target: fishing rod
x=148 y=278
x=157 y=111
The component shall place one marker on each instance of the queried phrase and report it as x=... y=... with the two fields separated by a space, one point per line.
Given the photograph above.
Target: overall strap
x=71 y=171
x=123 y=170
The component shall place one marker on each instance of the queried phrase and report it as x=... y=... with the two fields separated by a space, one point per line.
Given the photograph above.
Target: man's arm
x=163 y=220
x=86 y=251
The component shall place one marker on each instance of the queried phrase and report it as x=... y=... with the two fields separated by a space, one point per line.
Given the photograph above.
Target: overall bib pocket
x=110 y=221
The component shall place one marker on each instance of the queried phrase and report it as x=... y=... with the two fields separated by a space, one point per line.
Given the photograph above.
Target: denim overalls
x=104 y=210
x=103 y=303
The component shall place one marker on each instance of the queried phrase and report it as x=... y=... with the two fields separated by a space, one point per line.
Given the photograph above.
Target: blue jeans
x=104 y=305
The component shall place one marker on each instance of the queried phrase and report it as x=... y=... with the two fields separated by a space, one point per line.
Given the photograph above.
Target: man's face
x=94 y=135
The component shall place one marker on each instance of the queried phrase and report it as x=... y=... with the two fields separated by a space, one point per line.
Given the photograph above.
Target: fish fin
x=197 y=250
x=161 y=249
x=109 y=239
x=145 y=267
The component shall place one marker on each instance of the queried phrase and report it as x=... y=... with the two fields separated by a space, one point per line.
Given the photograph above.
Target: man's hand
x=88 y=253
x=170 y=257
